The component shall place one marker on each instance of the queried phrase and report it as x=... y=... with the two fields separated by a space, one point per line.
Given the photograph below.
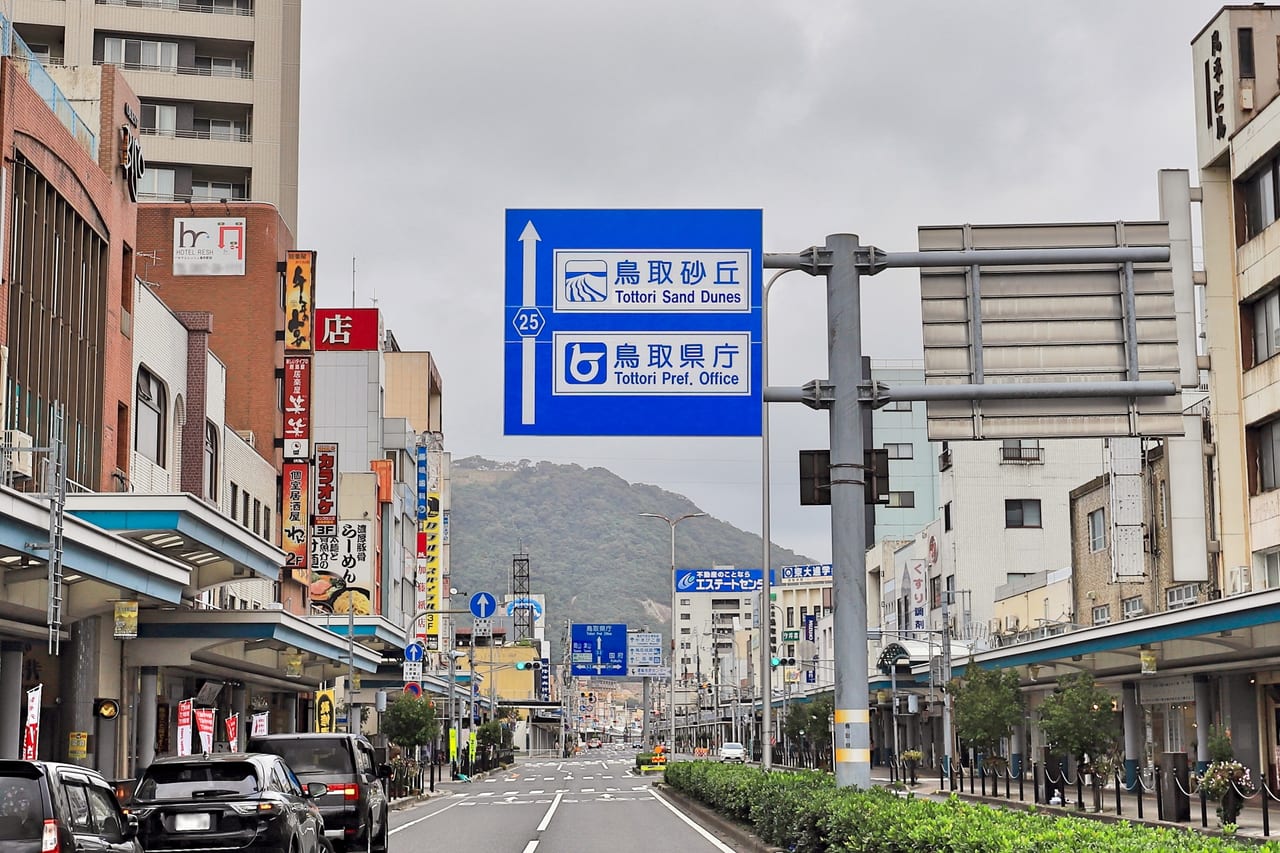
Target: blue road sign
x=413 y=653
x=483 y=604
x=599 y=650
x=633 y=322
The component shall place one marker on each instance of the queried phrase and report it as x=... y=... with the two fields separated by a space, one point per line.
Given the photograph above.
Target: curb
x=741 y=838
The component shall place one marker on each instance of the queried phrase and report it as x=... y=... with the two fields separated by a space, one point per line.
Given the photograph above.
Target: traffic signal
x=529 y=664
x=107 y=709
x=591 y=697
x=776 y=661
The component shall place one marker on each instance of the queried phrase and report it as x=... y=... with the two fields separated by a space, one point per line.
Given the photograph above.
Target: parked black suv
x=46 y=807
x=355 y=809
x=227 y=802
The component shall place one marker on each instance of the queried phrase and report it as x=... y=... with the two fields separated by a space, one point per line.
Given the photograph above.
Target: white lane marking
x=551 y=810
x=537 y=792
x=531 y=846
x=404 y=826
x=711 y=838
x=605 y=766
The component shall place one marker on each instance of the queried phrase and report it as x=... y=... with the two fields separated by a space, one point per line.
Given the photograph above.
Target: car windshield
x=732 y=747
x=21 y=815
x=191 y=781
x=310 y=755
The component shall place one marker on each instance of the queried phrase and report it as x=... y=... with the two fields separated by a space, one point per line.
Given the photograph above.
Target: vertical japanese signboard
x=917 y=595
x=31 y=731
x=295 y=531
x=299 y=302
x=324 y=508
x=420 y=571
x=297 y=407
x=355 y=560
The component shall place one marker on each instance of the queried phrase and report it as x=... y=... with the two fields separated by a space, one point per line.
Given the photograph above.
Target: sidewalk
x=1252 y=823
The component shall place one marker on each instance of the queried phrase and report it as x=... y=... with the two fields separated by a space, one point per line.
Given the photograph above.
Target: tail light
x=49 y=838
x=350 y=791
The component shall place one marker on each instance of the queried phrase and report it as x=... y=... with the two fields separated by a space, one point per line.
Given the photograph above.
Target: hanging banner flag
x=258 y=724
x=204 y=725
x=126 y=620
x=233 y=732
x=453 y=744
x=31 y=732
x=184 y=727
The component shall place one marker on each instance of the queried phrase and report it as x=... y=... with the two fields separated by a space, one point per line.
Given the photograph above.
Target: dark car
x=46 y=807
x=224 y=802
x=355 y=809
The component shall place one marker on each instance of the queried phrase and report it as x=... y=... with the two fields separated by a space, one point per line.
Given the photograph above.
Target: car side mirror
x=385 y=771
x=130 y=826
x=315 y=789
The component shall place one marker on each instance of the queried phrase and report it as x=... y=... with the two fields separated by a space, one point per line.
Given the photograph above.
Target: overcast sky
x=422 y=122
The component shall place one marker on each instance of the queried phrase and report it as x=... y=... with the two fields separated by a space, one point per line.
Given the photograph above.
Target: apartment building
x=901 y=428
x=217 y=80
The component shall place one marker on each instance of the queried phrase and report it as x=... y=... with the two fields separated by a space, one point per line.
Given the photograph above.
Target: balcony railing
x=145 y=196
x=243 y=10
x=186 y=70
x=29 y=65
x=1021 y=454
x=219 y=135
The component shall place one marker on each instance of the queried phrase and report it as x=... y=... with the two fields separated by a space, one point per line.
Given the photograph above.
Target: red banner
x=233 y=732
x=184 y=727
x=31 y=731
x=204 y=726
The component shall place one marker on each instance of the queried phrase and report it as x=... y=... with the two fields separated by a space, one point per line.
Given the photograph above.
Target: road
x=585 y=804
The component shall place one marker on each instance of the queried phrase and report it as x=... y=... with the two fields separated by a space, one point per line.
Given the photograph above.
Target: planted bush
x=805 y=812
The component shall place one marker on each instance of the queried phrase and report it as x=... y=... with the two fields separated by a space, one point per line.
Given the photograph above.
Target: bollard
x=973 y=788
x=1079 y=788
x=1118 y=812
x=1007 y=774
x=1035 y=783
x=1266 y=817
x=1159 y=794
x=1022 y=774
x=1204 y=810
x=1140 y=790
x=982 y=774
x=942 y=785
x=433 y=777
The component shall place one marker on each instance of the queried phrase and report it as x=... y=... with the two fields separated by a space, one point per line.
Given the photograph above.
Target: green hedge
x=805 y=812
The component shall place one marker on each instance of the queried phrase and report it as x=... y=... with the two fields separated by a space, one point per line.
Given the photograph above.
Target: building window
x=1180 y=596
x=1097 y=530
x=1244 y=52
x=900 y=451
x=266 y=523
x=217 y=191
x=244 y=510
x=235 y=500
x=1259 y=192
x=902 y=500
x=1266 y=327
x=1021 y=450
x=1266 y=440
x=257 y=516
x=1102 y=614
x=1022 y=513
x=897 y=406
x=1131 y=607
x=946 y=516
x=160 y=119
x=684 y=602
x=149 y=426
x=791 y=617
x=210 y=461
x=935 y=592
x=156 y=183
x=1271 y=567
x=684 y=617
x=140 y=53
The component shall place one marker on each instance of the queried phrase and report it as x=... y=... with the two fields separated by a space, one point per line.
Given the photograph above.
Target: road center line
x=403 y=826
x=546 y=818
x=531 y=846
x=707 y=835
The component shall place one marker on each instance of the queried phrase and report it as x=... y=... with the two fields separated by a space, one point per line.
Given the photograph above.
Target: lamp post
x=673 y=523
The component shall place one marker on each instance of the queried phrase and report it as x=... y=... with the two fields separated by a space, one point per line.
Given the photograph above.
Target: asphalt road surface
x=586 y=804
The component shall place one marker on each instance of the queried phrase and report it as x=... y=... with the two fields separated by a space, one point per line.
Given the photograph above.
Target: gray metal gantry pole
x=848 y=535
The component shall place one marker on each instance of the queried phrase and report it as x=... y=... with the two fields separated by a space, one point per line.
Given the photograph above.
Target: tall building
x=901 y=428
x=217 y=81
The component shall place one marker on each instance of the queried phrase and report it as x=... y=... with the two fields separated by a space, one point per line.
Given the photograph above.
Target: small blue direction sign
x=599 y=650
x=483 y=604
x=633 y=322
x=413 y=653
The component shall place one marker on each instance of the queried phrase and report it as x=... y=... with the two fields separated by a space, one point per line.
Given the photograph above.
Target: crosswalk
x=545 y=796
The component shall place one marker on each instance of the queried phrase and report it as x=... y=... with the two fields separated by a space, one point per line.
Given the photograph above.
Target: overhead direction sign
x=599 y=649
x=633 y=322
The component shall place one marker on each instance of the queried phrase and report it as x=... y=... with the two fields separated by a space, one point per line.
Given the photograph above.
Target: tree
x=986 y=704
x=494 y=733
x=410 y=722
x=1077 y=718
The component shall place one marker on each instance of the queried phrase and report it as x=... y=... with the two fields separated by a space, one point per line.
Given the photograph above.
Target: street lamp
x=673 y=523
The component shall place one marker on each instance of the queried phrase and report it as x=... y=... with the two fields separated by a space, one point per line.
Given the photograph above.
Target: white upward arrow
x=529 y=242
x=528 y=348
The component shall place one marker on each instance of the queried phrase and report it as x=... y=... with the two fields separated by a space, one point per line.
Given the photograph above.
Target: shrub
x=805 y=812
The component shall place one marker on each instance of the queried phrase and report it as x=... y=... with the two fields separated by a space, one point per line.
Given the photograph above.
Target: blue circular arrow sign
x=483 y=605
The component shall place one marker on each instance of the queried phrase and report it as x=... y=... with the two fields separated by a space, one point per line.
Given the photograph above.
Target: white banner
x=31 y=731
x=259 y=724
x=184 y=727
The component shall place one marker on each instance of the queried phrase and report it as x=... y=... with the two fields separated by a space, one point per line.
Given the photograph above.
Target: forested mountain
x=591 y=554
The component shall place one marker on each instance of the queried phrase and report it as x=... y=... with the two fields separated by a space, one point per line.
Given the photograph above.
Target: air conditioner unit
x=1011 y=623
x=1239 y=580
x=20 y=462
x=248 y=437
